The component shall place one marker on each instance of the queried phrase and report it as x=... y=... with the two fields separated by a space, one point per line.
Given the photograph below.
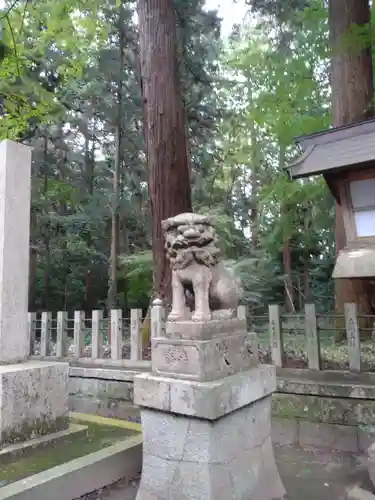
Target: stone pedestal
x=207 y=437
x=33 y=395
x=204 y=351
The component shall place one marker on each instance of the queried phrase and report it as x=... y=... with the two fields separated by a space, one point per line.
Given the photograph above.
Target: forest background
x=70 y=87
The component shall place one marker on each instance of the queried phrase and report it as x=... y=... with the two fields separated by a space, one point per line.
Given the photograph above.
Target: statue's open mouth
x=191 y=241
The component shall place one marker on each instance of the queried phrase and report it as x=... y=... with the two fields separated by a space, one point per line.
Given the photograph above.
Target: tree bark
x=254 y=211
x=90 y=139
x=255 y=164
x=115 y=219
x=352 y=90
x=287 y=254
x=169 y=180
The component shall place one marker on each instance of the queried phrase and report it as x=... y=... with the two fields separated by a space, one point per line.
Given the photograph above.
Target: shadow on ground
x=307 y=473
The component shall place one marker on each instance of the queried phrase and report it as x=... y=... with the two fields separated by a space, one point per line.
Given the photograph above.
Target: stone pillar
x=33 y=395
x=206 y=415
x=15 y=175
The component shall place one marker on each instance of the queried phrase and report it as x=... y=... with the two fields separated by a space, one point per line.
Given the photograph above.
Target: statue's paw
x=175 y=316
x=224 y=314
x=201 y=317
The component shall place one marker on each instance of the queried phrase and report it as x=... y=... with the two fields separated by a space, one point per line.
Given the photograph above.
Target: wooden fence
x=86 y=338
x=83 y=337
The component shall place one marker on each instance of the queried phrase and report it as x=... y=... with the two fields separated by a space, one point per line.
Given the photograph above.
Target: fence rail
x=340 y=334
x=116 y=338
x=94 y=337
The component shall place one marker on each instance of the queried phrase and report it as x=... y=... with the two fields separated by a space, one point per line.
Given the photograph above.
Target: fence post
x=352 y=333
x=61 y=333
x=277 y=348
x=32 y=326
x=45 y=333
x=136 y=341
x=312 y=337
x=79 y=339
x=158 y=313
x=96 y=337
x=242 y=312
x=116 y=334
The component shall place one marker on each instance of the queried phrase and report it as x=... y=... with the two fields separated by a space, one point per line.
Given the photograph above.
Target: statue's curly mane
x=183 y=257
x=202 y=249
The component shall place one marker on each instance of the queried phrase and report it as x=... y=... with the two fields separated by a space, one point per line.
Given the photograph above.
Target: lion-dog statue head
x=190 y=237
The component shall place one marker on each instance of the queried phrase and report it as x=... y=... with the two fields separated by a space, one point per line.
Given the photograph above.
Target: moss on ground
x=58 y=453
x=40 y=427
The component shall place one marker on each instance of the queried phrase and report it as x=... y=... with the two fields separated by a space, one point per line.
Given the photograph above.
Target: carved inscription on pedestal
x=176 y=359
x=175 y=355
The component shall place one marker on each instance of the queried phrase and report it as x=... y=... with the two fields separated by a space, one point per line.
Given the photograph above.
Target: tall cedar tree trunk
x=254 y=212
x=115 y=223
x=169 y=180
x=33 y=264
x=46 y=235
x=307 y=292
x=352 y=90
x=90 y=298
x=287 y=253
x=255 y=163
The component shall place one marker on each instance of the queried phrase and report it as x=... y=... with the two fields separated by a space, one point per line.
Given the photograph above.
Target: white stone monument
x=206 y=406
x=33 y=394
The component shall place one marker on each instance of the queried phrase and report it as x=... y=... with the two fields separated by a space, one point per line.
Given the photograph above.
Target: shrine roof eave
x=344 y=148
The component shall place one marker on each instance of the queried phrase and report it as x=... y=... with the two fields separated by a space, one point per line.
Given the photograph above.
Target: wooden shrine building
x=345 y=156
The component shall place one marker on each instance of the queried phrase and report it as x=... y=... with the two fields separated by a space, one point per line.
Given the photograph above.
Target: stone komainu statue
x=191 y=246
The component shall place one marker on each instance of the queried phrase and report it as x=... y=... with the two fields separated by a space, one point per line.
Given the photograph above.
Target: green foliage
x=277 y=88
x=63 y=82
x=59 y=82
x=136 y=270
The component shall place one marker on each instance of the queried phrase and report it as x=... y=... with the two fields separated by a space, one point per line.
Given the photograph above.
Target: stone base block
x=205 y=330
x=358 y=493
x=193 y=459
x=208 y=400
x=204 y=360
x=33 y=400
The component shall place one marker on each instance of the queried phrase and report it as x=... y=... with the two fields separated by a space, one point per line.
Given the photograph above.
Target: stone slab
x=74 y=479
x=324 y=409
x=33 y=400
x=365 y=438
x=328 y=383
x=344 y=438
x=15 y=191
x=204 y=360
x=100 y=389
x=358 y=493
x=192 y=459
x=205 y=330
x=110 y=373
x=370 y=462
x=208 y=400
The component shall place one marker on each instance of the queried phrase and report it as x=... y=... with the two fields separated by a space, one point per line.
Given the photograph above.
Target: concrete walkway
x=308 y=474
